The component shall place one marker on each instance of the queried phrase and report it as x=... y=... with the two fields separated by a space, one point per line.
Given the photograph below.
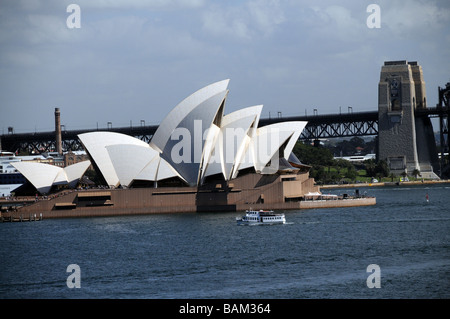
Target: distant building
x=357 y=158
x=73 y=157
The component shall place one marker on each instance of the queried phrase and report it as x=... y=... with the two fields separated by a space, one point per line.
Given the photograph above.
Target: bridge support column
x=405 y=142
x=444 y=114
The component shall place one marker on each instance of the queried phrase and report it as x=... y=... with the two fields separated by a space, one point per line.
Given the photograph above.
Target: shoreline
x=282 y=192
x=408 y=183
x=36 y=214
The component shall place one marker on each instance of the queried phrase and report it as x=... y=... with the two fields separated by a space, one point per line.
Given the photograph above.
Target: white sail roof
x=75 y=171
x=266 y=144
x=179 y=113
x=95 y=144
x=129 y=160
x=186 y=136
x=157 y=169
x=44 y=176
x=39 y=174
x=236 y=131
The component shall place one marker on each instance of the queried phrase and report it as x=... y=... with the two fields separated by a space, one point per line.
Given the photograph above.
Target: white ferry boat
x=261 y=217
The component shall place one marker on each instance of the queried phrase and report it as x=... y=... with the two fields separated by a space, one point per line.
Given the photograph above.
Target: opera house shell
x=194 y=141
x=44 y=176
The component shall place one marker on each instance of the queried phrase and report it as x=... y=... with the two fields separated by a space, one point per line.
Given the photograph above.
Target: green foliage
x=327 y=170
x=416 y=173
x=312 y=155
x=373 y=168
x=351 y=173
x=392 y=176
x=383 y=168
x=324 y=168
x=349 y=147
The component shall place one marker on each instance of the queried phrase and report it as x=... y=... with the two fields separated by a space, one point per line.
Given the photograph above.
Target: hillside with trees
x=328 y=170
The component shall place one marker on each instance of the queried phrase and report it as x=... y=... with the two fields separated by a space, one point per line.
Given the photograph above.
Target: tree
x=416 y=173
x=392 y=176
x=351 y=173
x=318 y=173
x=348 y=147
x=370 y=166
x=357 y=141
x=312 y=155
x=404 y=175
x=332 y=177
x=342 y=164
x=382 y=168
x=379 y=169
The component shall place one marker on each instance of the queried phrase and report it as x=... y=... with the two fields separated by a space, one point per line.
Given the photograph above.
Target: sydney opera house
x=196 y=140
x=199 y=159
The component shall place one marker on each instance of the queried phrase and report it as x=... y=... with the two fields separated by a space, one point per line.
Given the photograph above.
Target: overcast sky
x=135 y=60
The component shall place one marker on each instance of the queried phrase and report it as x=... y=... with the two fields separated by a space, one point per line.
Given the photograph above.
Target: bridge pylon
x=406 y=141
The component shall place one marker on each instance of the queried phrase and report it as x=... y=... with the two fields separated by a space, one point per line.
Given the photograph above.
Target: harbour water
x=319 y=253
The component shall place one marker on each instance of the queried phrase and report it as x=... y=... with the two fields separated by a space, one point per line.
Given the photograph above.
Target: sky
x=130 y=61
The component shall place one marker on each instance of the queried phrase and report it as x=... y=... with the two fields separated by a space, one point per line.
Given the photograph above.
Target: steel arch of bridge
x=45 y=141
x=334 y=125
x=344 y=129
x=319 y=126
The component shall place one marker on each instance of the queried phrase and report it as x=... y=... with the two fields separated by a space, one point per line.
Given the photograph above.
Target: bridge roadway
x=319 y=126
